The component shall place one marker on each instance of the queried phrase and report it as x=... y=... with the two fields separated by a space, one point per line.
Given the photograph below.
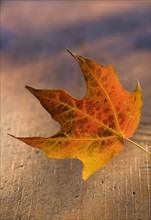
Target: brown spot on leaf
x=105 y=121
x=134 y=98
x=106 y=110
x=102 y=142
x=111 y=117
x=112 y=125
x=100 y=132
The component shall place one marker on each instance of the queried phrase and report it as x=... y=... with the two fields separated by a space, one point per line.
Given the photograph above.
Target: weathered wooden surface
x=32 y=186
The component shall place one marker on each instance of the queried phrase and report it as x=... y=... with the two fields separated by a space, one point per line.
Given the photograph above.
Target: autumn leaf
x=94 y=128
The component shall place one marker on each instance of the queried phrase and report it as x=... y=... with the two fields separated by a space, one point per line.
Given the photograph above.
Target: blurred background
x=34 y=38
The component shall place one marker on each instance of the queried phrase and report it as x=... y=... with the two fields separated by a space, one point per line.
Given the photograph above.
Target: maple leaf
x=94 y=128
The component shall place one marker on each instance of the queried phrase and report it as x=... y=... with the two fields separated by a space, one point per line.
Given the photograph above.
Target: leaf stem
x=132 y=142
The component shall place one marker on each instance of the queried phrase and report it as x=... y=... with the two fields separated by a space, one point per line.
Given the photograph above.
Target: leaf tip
x=30 y=89
x=12 y=136
x=138 y=90
x=73 y=54
x=84 y=178
x=138 y=87
x=86 y=173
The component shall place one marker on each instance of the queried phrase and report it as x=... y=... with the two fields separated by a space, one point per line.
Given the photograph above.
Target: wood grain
x=36 y=188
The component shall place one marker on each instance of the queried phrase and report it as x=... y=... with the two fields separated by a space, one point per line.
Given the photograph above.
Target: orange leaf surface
x=94 y=128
